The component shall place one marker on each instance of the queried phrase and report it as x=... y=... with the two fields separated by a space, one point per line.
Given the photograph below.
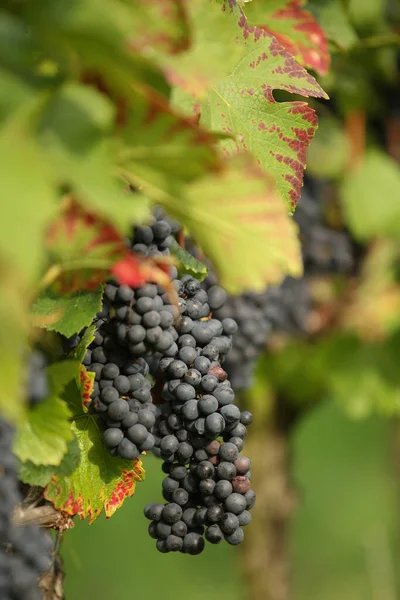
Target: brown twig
x=42 y=516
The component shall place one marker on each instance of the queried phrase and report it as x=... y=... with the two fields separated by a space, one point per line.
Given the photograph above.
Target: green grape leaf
x=378 y=176
x=212 y=52
x=77 y=123
x=329 y=153
x=164 y=150
x=100 y=481
x=79 y=352
x=67 y=314
x=24 y=221
x=187 y=262
x=242 y=104
x=14 y=327
x=42 y=438
x=60 y=374
x=242 y=225
x=295 y=28
x=364 y=378
x=43 y=434
x=41 y=475
x=160 y=25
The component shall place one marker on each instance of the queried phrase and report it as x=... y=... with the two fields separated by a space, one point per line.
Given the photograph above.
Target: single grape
x=193 y=543
x=137 y=434
x=127 y=450
x=214 y=534
x=236 y=537
x=113 y=437
x=172 y=513
x=235 y=503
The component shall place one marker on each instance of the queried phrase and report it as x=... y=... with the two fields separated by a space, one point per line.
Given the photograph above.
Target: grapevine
x=173 y=284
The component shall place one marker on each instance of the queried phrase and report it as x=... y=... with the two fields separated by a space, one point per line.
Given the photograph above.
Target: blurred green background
x=344 y=537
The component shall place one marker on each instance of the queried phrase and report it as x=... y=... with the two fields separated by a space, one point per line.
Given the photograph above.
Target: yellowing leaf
x=242 y=225
x=374 y=310
x=99 y=481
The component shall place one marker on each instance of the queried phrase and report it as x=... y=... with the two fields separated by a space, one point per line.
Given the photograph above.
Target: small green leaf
x=373 y=308
x=41 y=475
x=79 y=352
x=67 y=314
x=370 y=196
x=42 y=438
x=187 y=262
x=100 y=481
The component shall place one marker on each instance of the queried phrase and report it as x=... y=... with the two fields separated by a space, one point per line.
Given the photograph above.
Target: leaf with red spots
x=242 y=225
x=295 y=28
x=242 y=104
x=212 y=51
x=100 y=481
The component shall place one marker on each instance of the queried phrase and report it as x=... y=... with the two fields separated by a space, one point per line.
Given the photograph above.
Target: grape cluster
x=284 y=308
x=24 y=552
x=197 y=409
x=121 y=396
x=207 y=496
x=143 y=319
x=175 y=338
x=325 y=250
x=155 y=238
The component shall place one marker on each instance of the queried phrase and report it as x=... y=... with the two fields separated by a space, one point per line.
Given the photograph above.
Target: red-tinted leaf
x=134 y=271
x=277 y=133
x=296 y=30
x=88 y=249
x=242 y=225
x=100 y=481
x=86 y=382
x=242 y=104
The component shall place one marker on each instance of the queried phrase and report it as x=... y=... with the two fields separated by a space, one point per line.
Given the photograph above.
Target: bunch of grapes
x=199 y=433
x=24 y=552
x=208 y=496
x=325 y=250
x=172 y=337
x=283 y=308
